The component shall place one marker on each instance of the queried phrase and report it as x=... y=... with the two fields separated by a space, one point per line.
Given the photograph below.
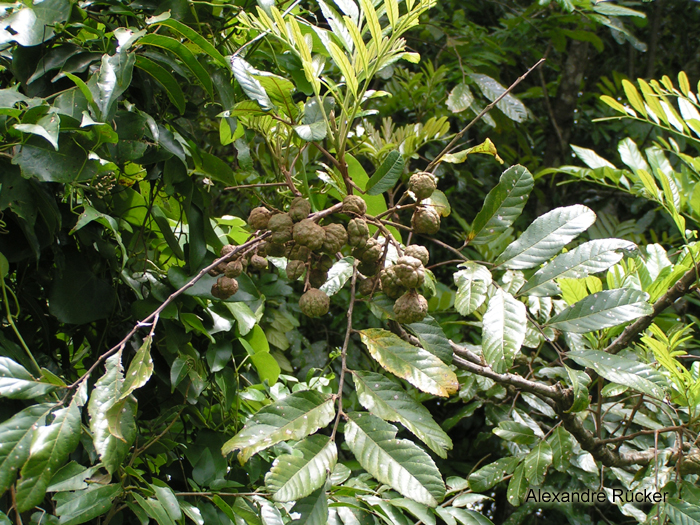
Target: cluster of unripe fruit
x=311 y=250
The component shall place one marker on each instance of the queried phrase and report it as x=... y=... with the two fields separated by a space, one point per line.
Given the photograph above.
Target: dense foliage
x=289 y=263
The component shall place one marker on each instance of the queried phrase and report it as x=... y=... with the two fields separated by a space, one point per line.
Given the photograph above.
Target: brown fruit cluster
x=311 y=249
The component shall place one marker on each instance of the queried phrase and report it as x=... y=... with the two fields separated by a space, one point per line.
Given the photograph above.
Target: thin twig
x=261 y=185
x=344 y=352
x=641 y=433
x=458 y=136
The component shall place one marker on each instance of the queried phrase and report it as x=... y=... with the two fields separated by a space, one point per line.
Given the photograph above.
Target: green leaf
x=460 y=98
x=546 y=236
x=621 y=370
x=70 y=163
x=591 y=158
x=386 y=399
x=88 y=504
x=16 y=437
x=50 y=448
x=509 y=105
x=517 y=486
x=297 y=475
x=682 y=513
x=488 y=476
x=184 y=54
x=338 y=275
x=196 y=38
x=562 y=445
x=112 y=79
x=47 y=127
x=17 y=383
x=167 y=499
x=579 y=383
x=516 y=432
x=30 y=26
x=503 y=204
x=469 y=517
x=294 y=417
x=398 y=463
x=140 y=369
x=165 y=79
x=487 y=147
x=154 y=509
x=537 y=462
x=472 y=283
x=311 y=132
x=255 y=342
x=313 y=509
x=420 y=511
x=386 y=175
x=104 y=395
x=416 y=365
x=433 y=338
x=243 y=72
x=503 y=330
x=588 y=258
x=602 y=310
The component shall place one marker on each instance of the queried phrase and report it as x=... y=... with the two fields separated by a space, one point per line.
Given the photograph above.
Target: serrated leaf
x=88 y=504
x=682 y=513
x=516 y=432
x=537 y=462
x=472 y=282
x=386 y=175
x=486 y=477
x=602 y=310
x=562 y=445
x=386 y=399
x=509 y=105
x=313 y=509
x=460 y=98
x=107 y=390
x=15 y=438
x=293 y=417
x=588 y=258
x=398 y=463
x=546 y=236
x=295 y=476
x=416 y=365
x=140 y=370
x=503 y=330
x=433 y=338
x=17 y=383
x=50 y=448
x=503 y=204
x=621 y=370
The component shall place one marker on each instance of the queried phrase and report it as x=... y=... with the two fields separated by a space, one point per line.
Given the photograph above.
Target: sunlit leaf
x=504 y=326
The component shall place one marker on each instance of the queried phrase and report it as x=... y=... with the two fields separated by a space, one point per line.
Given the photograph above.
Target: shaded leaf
x=472 y=283
x=17 y=383
x=386 y=399
x=416 y=365
x=294 y=417
x=386 y=175
x=509 y=105
x=460 y=98
x=562 y=444
x=88 y=504
x=140 y=369
x=313 y=509
x=433 y=338
x=396 y=462
x=503 y=204
x=486 y=477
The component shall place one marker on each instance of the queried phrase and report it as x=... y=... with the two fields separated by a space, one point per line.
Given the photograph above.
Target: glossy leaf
x=50 y=448
x=386 y=399
x=503 y=330
x=297 y=475
x=396 y=462
x=515 y=432
x=622 y=370
x=416 y=365
x=386 y=175
x=339 y=274
x=517 y=486
x=537 y=462
x=111 y=81
x=313 y=509
x=16 y=436
x=165 y=79
x=460 y=98
x=509 y=105
x=472 y=283
x=293 y=417
x=546 y=236
x=503 y=204
x=432 y=337
x=588 y=258
x=682 y=512
x=488 y=476
x=17 y=383
x=602 y=310
x=88 y=504
x=562 y=445
x=195 y=37
x=184 y=54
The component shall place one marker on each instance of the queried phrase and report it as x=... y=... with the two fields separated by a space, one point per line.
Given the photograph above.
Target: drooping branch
x=678 y=290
